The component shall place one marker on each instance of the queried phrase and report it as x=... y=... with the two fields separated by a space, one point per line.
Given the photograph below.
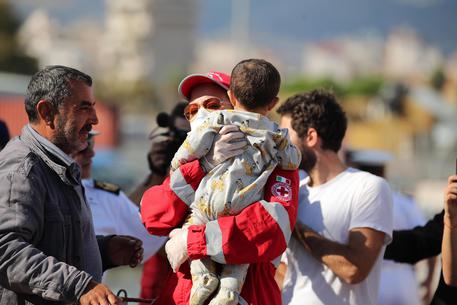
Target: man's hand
x=125 y=250
x=301 y=232
x=228 y=143
x=98 y=294
x=450 y=202
x=176 y=248
x=352 y=262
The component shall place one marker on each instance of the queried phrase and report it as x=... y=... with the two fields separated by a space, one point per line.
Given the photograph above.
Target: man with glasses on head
x=257 y=236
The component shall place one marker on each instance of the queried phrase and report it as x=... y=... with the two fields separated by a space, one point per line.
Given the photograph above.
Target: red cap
x=189 y=82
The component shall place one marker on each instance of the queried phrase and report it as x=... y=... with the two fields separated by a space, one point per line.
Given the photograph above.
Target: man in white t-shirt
x=344 y=219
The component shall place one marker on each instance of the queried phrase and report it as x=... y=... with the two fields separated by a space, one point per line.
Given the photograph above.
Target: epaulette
x=106 y=186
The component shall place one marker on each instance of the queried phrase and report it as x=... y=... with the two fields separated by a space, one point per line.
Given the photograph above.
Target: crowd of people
x=237 y=209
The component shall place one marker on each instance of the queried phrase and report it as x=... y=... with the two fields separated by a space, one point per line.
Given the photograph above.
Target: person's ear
x=312 y=138
x=273 y=103
x=232 y=98
x=46 y=112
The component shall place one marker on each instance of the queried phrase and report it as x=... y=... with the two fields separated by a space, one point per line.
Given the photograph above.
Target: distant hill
x=274 y=22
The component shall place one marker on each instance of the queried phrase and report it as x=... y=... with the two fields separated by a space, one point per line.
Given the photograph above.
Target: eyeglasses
x=210 y=104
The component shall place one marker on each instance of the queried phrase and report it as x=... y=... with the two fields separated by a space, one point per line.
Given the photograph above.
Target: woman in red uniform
x=257 y=236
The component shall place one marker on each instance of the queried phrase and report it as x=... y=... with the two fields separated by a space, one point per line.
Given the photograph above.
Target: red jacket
x=258 y=235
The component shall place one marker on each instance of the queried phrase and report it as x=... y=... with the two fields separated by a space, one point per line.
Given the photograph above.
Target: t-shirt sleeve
x=373 y=207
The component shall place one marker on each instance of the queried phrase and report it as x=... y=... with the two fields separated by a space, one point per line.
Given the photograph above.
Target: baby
x=236 y=183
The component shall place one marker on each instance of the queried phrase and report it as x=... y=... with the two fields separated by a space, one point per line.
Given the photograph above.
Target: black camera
x=165 y=120
x=165 y=144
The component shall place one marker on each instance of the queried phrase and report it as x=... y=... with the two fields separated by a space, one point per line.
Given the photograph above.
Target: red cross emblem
x=282 y=191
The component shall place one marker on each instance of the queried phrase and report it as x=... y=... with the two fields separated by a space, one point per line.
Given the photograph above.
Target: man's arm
x=352 y=262
x=449 y=244
x=411 y=246
x=371 y=220
x=259 y=233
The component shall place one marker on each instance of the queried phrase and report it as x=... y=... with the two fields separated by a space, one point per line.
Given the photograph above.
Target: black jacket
x=411 y=246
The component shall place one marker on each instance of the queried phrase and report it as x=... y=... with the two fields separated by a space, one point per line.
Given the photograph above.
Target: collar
x=50 y=147
x=54 y=157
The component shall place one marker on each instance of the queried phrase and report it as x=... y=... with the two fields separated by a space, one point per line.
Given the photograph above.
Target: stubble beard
x=308 y=159
x=66 y=137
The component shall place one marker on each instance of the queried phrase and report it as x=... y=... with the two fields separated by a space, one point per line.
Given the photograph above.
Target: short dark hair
x=51 y=84
x=255 y=83
x=317 y=109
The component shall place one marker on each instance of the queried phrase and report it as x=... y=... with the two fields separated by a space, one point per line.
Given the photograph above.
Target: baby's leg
x=204 y=280
x=231 y=283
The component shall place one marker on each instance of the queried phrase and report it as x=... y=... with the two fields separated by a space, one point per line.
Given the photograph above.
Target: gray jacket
x=42 y=220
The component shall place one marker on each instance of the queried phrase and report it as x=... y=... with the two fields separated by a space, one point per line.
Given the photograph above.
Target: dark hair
x=317 y=109
x=51 y=84
x=255 y=83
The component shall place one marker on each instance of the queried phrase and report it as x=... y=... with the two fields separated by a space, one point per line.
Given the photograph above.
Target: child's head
x=254 y=85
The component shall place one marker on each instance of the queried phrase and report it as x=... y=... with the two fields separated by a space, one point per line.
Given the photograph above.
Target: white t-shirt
x=398 y=281
x=353 y=199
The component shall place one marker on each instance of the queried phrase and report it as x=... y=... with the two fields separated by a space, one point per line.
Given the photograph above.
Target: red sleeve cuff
x=196 y=241
x=193 y=173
